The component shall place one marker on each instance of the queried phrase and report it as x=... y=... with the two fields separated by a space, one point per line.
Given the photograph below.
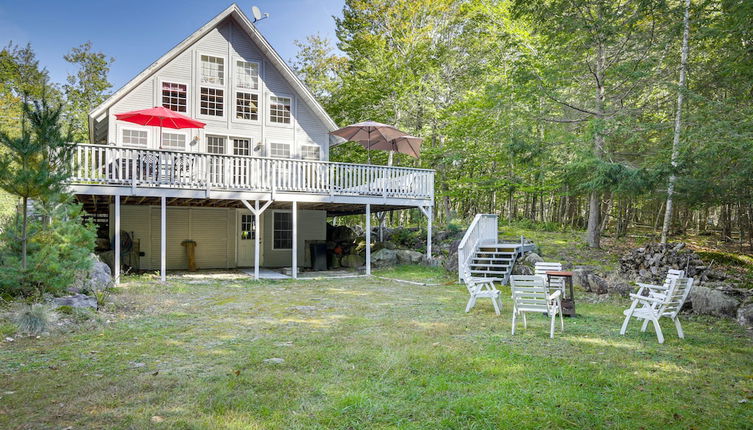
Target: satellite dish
x=256 y=12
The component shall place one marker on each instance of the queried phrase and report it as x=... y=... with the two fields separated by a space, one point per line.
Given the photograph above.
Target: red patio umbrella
x=159 y=117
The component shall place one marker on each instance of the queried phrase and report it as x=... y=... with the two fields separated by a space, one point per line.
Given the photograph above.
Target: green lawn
x=368 y=353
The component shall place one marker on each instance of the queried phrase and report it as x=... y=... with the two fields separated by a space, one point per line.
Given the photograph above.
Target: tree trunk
x=594 y=205
x=607 y=212
x=24 y=225
x=593 y=234
x=678 y=124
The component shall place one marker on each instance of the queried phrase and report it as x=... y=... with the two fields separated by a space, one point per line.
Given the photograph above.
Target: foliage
x=318 y=67
x=87 y=88
x=34 y=319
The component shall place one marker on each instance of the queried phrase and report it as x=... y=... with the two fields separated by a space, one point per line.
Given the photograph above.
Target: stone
x=97 y=278
x=384 y=258
x=580 y=277
x=352 y=261
x=407 y=256
x=531 y=258
x=707 y=301
x=597 y=284
x=274 y=360
x=386 y=245
x=451 y=262
x=745 y=315
x=521 y=269
x=76 y=301
x=616 y=284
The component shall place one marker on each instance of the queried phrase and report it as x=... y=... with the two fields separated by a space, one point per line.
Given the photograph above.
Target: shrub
x=34 y=319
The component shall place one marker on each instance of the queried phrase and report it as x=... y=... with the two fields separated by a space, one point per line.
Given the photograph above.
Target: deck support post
x=116 y=245
x=294 y=267
x=256 y=211
x=428 y=211
x=368 y=239
x=163 y=240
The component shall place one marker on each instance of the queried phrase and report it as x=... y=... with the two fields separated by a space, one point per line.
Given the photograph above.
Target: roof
x=246 y=24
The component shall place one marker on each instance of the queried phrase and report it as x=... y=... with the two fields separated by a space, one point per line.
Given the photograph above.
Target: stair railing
x=482 y=231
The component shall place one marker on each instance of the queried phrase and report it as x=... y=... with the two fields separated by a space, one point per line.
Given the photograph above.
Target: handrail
x=483 y=229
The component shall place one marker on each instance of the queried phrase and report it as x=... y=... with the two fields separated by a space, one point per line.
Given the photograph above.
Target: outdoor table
x=568 y=301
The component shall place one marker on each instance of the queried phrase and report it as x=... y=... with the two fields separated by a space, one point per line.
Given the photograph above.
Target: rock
x=384 y=257
x=352 y=261
x=580 y=277
x=531 y=258
x=597 y=284
x=713 y=302
x=386 y=245
x=407 y=256
x=521 y=269
x=340 y=233
x=451 y=262
x=76 y=301
x=745 y=315
x=616 y=284
x=274 y=360
x=97 y=278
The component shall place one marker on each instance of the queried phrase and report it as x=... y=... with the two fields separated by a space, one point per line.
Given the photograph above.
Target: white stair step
x=474 y=272
x=502 y=259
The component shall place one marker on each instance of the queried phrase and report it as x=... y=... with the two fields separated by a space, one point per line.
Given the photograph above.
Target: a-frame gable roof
x=246 y=24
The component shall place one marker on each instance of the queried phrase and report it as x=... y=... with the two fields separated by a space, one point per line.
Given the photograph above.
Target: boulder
x=707 y=301
x=386 y=244
x=97 y=278
x=451 y=262
x=407 y=256
x=352 y=261
x=521 y=269
x=597 y=284
x=531 y=258
x=745 y=315
x=76 y=301
x=580 y=277
x=384 y=257
x=617 y=284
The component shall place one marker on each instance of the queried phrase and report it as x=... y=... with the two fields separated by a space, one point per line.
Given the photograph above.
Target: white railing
x=482 y=231
x=111 y=165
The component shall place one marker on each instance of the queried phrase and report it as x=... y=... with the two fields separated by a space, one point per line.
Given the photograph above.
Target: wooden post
x=430 y=218
x=163 y=240
x=257 y=220
x=294 y=268
x=116 y=246
x=368 y=239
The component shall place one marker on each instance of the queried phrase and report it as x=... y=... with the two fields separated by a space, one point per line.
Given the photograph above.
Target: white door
x=246 y=234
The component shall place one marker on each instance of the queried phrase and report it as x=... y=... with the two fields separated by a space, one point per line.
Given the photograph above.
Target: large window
x=248 y=230
x=241 y=146
x=283 y=230
x=246 y=106
x=247 y=75
x=174 y=96
x=212 y=70
x=133 y=137
x=216 y=145
x=174 y=141
x=212 y=100
x=279 y=150
x=310 y=152
x=279 y=109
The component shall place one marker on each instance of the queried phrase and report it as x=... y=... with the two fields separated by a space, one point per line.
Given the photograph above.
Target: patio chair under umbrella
x=159 y=117
x=369 y=134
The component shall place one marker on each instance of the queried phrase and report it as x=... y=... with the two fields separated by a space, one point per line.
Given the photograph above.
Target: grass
x=368 y=353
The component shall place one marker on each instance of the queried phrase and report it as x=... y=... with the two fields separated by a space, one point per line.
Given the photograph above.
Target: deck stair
x=484 y=255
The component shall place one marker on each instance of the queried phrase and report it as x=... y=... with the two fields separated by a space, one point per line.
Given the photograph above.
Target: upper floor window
x=246 y=106
x=247 y=75
x=212 y=101
x=174 y=141
x=241 y=146
x=279 y=109
x=133 y=137
x=216 y=145
x=174 y=96
x=279 y=150
x=310 y=152
x=212 y=70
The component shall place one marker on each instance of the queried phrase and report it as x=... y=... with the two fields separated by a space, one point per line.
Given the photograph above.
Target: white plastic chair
x=530 y=294
x=541 y=268
x=481 y=288
x=661 y=304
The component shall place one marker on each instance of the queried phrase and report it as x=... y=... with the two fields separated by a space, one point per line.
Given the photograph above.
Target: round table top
x=559 y=273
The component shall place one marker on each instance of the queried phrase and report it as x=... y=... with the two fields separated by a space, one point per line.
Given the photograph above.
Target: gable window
x=174 y=141
x=212 y=101
x=310 y=152
x=246 y=106
x=174 y=96
x=248 y=224
x=133 y=137
x=279 y=109
x=247 y=75
x=241 y=146
x=279 y=150
x=283 y=230
x=212 y=70
x=215 y=145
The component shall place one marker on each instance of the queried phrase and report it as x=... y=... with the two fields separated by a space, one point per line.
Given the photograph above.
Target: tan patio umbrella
x=410 y=145
x=369 y=134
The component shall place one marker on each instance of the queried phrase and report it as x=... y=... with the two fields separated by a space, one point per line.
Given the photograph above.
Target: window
x=174 y=96
x=279 y=109
x=212 y=70
x=283 y=230
x=246 y=106
x=248 y=227
x=310 y=152
x=174 y=141
x=212 y=100
x=216 y=145
x=247 y=75
x=241 y=146
x=279 y=150
x=135 y=137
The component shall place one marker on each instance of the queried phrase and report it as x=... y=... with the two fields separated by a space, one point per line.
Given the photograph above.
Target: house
x=254 y=187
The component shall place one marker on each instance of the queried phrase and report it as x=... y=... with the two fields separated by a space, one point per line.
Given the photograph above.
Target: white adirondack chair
x=541 y=268
x=530 y=294
x=481 y=288
x=658 y=290
x=666 y=303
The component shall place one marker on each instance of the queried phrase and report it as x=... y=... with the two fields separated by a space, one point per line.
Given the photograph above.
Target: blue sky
x=137 y=32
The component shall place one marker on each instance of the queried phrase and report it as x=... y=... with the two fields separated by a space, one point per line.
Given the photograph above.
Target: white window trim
x=176 y=131
x=229 y=144
x=273 y=230
x=252 y=144
x=281 y=142
x=236 y=59
x=224 y=104
x=206 y=143
x=311 y=145
x=268 y=113
x=175 y=81
x=259 y=111
x=119 y=136
x=224 y=86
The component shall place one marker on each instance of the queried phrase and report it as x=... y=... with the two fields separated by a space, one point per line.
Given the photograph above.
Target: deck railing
x=482 y=231
x=111 y=165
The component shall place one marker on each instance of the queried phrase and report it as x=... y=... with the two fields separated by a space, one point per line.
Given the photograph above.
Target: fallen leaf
x=157 y=419
x=237 y=372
